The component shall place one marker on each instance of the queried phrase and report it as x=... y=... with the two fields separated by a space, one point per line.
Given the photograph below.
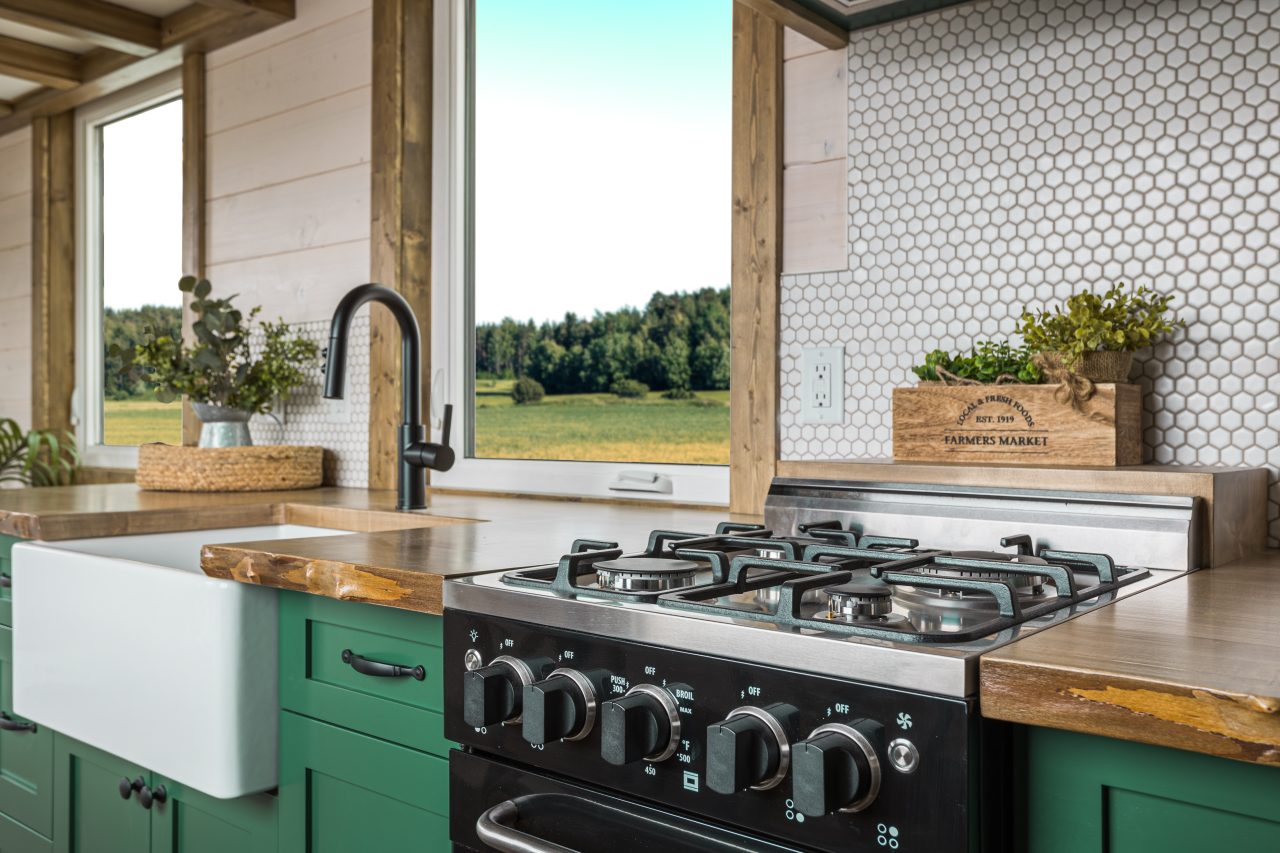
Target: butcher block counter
x=1192 y=664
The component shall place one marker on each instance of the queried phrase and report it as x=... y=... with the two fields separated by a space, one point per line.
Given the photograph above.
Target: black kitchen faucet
x=416 y=454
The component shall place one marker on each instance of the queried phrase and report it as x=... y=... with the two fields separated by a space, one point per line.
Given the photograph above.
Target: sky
x=602 y=153
x=142 y=208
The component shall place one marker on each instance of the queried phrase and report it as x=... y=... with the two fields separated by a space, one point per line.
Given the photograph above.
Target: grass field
x=582 y=427
x=132 y=422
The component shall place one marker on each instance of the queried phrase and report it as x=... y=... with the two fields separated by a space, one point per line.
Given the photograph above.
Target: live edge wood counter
x=407 y=568
x=1192 y=664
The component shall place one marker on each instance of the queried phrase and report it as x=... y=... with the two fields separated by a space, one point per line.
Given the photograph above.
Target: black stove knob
x=750 y=749
x=837 y=768
x=494 y=694
x=560 y=707
x=645 y=723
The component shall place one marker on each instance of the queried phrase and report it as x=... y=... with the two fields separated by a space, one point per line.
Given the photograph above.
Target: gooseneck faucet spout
x=416 y=454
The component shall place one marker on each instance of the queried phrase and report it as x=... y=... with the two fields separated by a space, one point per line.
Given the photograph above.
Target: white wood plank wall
x=815 y=177
x=15 y=276
x=288 y=171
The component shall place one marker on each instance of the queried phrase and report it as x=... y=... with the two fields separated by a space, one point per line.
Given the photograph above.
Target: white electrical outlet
x=822 y=386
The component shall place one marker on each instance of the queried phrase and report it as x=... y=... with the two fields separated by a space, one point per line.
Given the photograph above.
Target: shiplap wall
x=288 y=170
x=15 y=276
x=814 y=149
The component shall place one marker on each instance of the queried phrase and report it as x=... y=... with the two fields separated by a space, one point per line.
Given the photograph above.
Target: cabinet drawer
x=341 y=791
x=26 y=757
x=324 y=645
x=16 y=838
x=6 y=574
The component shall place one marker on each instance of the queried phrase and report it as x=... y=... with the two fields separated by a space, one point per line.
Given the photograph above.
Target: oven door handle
x=494 y=828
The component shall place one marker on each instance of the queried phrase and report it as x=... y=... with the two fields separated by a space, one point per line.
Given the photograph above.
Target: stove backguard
x=1136 y=530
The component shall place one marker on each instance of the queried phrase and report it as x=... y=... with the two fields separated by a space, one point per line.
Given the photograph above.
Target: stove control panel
x=828 y=764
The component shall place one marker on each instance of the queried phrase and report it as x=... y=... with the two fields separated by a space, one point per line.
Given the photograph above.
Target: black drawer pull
x=377 y=668
x=6 y=580
x=147 y=796
x=9 y=724
x=127 y=788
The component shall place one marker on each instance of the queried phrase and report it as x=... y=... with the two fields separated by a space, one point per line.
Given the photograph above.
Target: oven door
x=496 y=806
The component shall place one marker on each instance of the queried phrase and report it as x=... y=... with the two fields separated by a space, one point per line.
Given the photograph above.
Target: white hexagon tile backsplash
x=1009 y=153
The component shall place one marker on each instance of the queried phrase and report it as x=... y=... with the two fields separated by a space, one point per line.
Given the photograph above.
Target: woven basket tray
x=165 y=468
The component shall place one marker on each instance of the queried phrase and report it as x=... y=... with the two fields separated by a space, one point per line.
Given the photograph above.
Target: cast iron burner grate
x=828 y=567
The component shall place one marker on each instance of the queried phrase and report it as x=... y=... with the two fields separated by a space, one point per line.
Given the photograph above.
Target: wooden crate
x=1017 y=425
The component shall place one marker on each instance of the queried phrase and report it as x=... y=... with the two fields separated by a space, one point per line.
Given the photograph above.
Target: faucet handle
x=447 y=425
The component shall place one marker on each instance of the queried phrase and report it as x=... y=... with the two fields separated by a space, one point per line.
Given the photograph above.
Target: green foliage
x=526 y=391
x=678 y=340
x=1122 y=319
x=678 y=394
x=122 y=331
x=986 y=362
x=36 y=458
x=221 y=367
x=630 y=389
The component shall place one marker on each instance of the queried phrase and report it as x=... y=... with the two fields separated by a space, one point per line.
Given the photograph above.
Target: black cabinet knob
x=127 y=787
x=560 y=707
x=495 y=693
x=750 y=749
x=837 y=768
x=645 y=723
x=148 y=796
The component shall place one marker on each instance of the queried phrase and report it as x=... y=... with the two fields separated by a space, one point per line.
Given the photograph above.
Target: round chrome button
x=472 y=660
x=903 y=755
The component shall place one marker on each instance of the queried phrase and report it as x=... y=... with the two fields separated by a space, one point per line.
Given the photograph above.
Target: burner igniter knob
x=494 y=694
x=751 y=748
x=644 y=723
x=837 y=768
x=560 y=707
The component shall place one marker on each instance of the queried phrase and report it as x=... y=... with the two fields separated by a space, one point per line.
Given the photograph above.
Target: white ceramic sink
x=125 y=644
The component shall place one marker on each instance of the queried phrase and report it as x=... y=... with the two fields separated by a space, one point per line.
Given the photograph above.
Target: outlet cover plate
x=822 y=386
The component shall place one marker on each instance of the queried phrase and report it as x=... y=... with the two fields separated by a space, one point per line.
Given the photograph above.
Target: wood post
x=757 y=257
x=193 y=202
x=401 y=212
x=53 y=316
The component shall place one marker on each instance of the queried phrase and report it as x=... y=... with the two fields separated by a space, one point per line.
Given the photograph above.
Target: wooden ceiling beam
x=791 y=14
x=281 y=9
x=100 y=23
x=36 y=63
x=102 y=72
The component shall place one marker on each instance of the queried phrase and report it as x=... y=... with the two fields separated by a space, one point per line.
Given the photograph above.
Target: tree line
x=124 y=326
x=678 y=342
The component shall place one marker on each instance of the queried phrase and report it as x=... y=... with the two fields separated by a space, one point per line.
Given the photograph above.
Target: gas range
x=805 y=684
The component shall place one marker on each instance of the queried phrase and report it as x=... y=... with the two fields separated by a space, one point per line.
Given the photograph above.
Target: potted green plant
x=987 y=363
x=36 y=458
x=1095 y=336
x=220 y=374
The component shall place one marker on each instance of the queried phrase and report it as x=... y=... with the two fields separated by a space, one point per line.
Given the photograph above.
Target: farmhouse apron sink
x=125 y=644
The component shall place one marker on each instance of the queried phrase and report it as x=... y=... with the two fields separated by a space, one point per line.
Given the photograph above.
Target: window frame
x=87 y=397
x=452 y=307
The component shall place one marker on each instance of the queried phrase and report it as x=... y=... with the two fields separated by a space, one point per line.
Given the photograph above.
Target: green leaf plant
x=36 y=458
x=986 y=363
x=1123 y=319
x=220 y=368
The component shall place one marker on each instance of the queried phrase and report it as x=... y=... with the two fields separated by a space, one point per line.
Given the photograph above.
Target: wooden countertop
x=407 y=568
x=1192 y=664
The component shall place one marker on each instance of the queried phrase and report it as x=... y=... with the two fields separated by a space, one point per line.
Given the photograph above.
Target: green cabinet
x=6 y=579
x=26 y=757
x=1086 y=794
x=341 y=792
x=16 y=838
x=89 y=814
x=192 y=822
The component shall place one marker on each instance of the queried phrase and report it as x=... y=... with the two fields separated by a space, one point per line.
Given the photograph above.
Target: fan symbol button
x=904 y=721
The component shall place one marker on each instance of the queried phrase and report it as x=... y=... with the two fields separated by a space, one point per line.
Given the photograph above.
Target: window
x=129 y=156
x=586 y=328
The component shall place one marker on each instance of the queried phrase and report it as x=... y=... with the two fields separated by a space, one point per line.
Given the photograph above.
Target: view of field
x=134 y=422
x=589 y=427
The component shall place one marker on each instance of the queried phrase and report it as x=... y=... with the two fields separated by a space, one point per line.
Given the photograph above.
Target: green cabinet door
x=343 y=792
x=1089 y=795
x=16 y=838
x=6 y=578
x=191 y=822
x=26 y=757
x=89 y=815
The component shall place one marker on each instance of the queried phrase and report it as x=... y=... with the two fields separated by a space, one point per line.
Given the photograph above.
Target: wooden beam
x=6 y=107
x=193 y=201
x=53 y=272
x=47 y=66
x=104 y=72
x=401 y=211
x=805 y=21
x=99 y=23
x=757 y=257
x=281 y=9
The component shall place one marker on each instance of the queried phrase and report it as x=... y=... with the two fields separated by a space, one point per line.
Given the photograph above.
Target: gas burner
x=646 y=574
x=862 y=600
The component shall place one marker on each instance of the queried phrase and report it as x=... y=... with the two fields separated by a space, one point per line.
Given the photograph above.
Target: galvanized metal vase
x=221 y=426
